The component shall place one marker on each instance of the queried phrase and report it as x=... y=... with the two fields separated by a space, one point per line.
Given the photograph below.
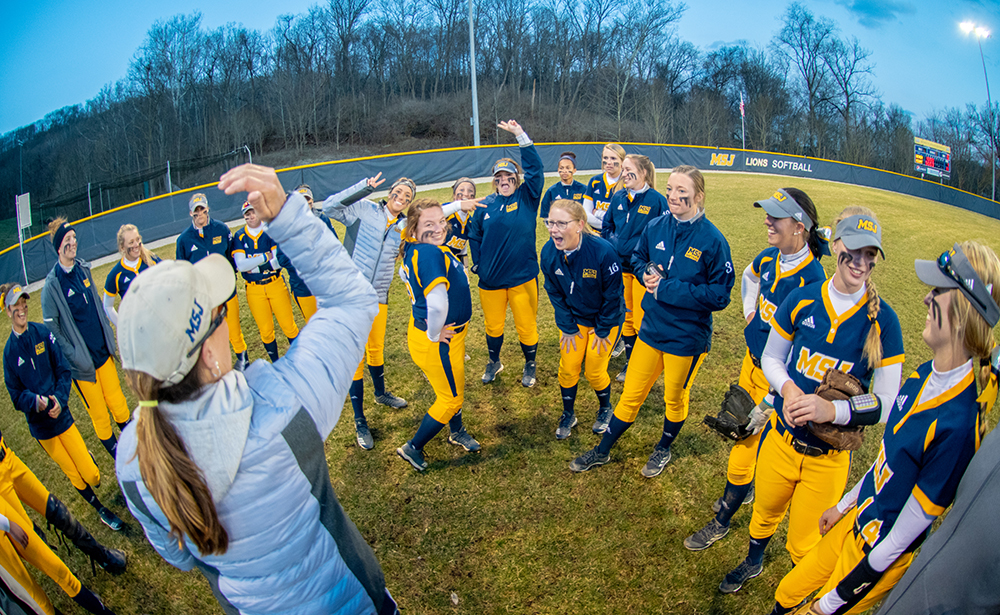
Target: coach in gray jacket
x=232 y=463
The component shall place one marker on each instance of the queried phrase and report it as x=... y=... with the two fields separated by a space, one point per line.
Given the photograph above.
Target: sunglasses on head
x=954 y=264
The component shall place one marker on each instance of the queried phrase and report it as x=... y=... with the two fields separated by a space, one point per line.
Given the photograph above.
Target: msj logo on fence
x=722 y=160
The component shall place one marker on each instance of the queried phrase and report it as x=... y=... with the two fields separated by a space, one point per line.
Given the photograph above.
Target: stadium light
x=982 y=32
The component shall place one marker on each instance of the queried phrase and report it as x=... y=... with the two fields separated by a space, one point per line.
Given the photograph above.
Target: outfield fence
x=167 y=215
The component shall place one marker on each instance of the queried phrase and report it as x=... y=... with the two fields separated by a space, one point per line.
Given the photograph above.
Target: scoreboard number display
x=931 y=158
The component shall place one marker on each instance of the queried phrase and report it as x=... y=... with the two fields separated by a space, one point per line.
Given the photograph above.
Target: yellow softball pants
x=634 y=291
x=523 y=300
x=70 y=453
x=593 y=361
x=17 y=484
x=375 y=346
x=267 y=302
x=645 y=366
x=444 y=366
x=233 y=320
x=833 y=558
x=104 y=394
x=307 y=305
x=743 y=455
x=791 y=482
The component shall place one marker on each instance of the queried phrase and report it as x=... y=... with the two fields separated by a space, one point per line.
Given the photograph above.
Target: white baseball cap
x=167 y=313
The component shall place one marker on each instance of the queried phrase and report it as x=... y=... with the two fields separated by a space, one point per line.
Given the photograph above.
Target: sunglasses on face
x=216 y=323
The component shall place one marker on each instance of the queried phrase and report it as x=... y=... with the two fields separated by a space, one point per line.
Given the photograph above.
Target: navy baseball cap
x=858 y=232
x=782 y=205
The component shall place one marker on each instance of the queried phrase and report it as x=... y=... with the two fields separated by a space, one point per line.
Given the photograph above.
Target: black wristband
x=856 y=585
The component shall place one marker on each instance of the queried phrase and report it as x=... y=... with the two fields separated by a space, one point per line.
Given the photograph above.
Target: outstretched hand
x=471 y=204
x=512 y=127
x=264 y=191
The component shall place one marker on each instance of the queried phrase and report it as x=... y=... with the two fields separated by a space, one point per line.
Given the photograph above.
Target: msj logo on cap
x=867 y=225
x=194 y=323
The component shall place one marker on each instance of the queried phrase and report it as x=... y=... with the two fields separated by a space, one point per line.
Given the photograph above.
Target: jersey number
x=612 y=268
x=881 y=471
x=406 y=283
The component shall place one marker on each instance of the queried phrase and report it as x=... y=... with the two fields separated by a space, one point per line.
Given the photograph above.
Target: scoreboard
x=931 y=158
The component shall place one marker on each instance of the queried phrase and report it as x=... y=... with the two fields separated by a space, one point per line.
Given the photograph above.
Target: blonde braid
x=873 y=343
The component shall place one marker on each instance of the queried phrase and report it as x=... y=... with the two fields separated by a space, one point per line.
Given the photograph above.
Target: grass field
x=512 y=530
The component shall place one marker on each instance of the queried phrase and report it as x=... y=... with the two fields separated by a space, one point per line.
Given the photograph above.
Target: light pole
x=20 y=164
x=472 y=67
x=981 y=32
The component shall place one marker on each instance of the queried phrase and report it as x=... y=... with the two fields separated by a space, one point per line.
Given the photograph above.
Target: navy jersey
x=600 y=192
x=627 y=217
x=925 y=450
x=821 y=339
x=121 y=275
x=559 y=190
x=34 y=365
x=458 y=238
x=195 y=244
x=502 y=230
x=585 y=287
x=775 y=285
x=426 y=266
x=295 y=283
x=83 y=305
x=700 y=277
x=248 y=245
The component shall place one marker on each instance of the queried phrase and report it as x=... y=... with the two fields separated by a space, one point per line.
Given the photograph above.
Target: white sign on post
x=24 y=210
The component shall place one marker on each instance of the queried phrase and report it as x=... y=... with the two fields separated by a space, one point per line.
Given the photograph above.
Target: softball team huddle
x=627 y=269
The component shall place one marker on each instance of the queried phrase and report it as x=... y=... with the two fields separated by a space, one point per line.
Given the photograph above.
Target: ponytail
x=816 y=238
x=175 y=482
x=873 y=343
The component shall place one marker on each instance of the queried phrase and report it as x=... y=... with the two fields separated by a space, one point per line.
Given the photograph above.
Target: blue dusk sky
x=60 y=53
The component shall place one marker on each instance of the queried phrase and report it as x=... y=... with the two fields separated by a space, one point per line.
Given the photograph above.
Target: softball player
x=839 y=324
x=300 y=292
x=135 y=258
x=458 y=213
x=584 y=281
x=372 y=240
x=256 y=258
x=439 y=291
x=74 y=313
x=601 y=187
x=689 y=275
x=206 y=236
x=791 y=261
x=933 y=430
x=502 y=238
x=38 y=380
x=629 y=213
x=565 y=188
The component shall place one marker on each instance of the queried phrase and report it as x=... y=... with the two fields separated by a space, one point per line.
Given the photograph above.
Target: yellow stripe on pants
x=375 y=346
x=644 y=368
x=70 y=453
x=837 y=553
x=586 y=356
x=523 y=301
x=103 y=395
x=807 y=486
x=269 y=301
x=235 y=330
x=444 y=366
x=743 y=456
x=634 y=291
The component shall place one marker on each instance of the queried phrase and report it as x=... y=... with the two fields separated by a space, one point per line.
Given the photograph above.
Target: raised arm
x=343 y=206
x=320 y=365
